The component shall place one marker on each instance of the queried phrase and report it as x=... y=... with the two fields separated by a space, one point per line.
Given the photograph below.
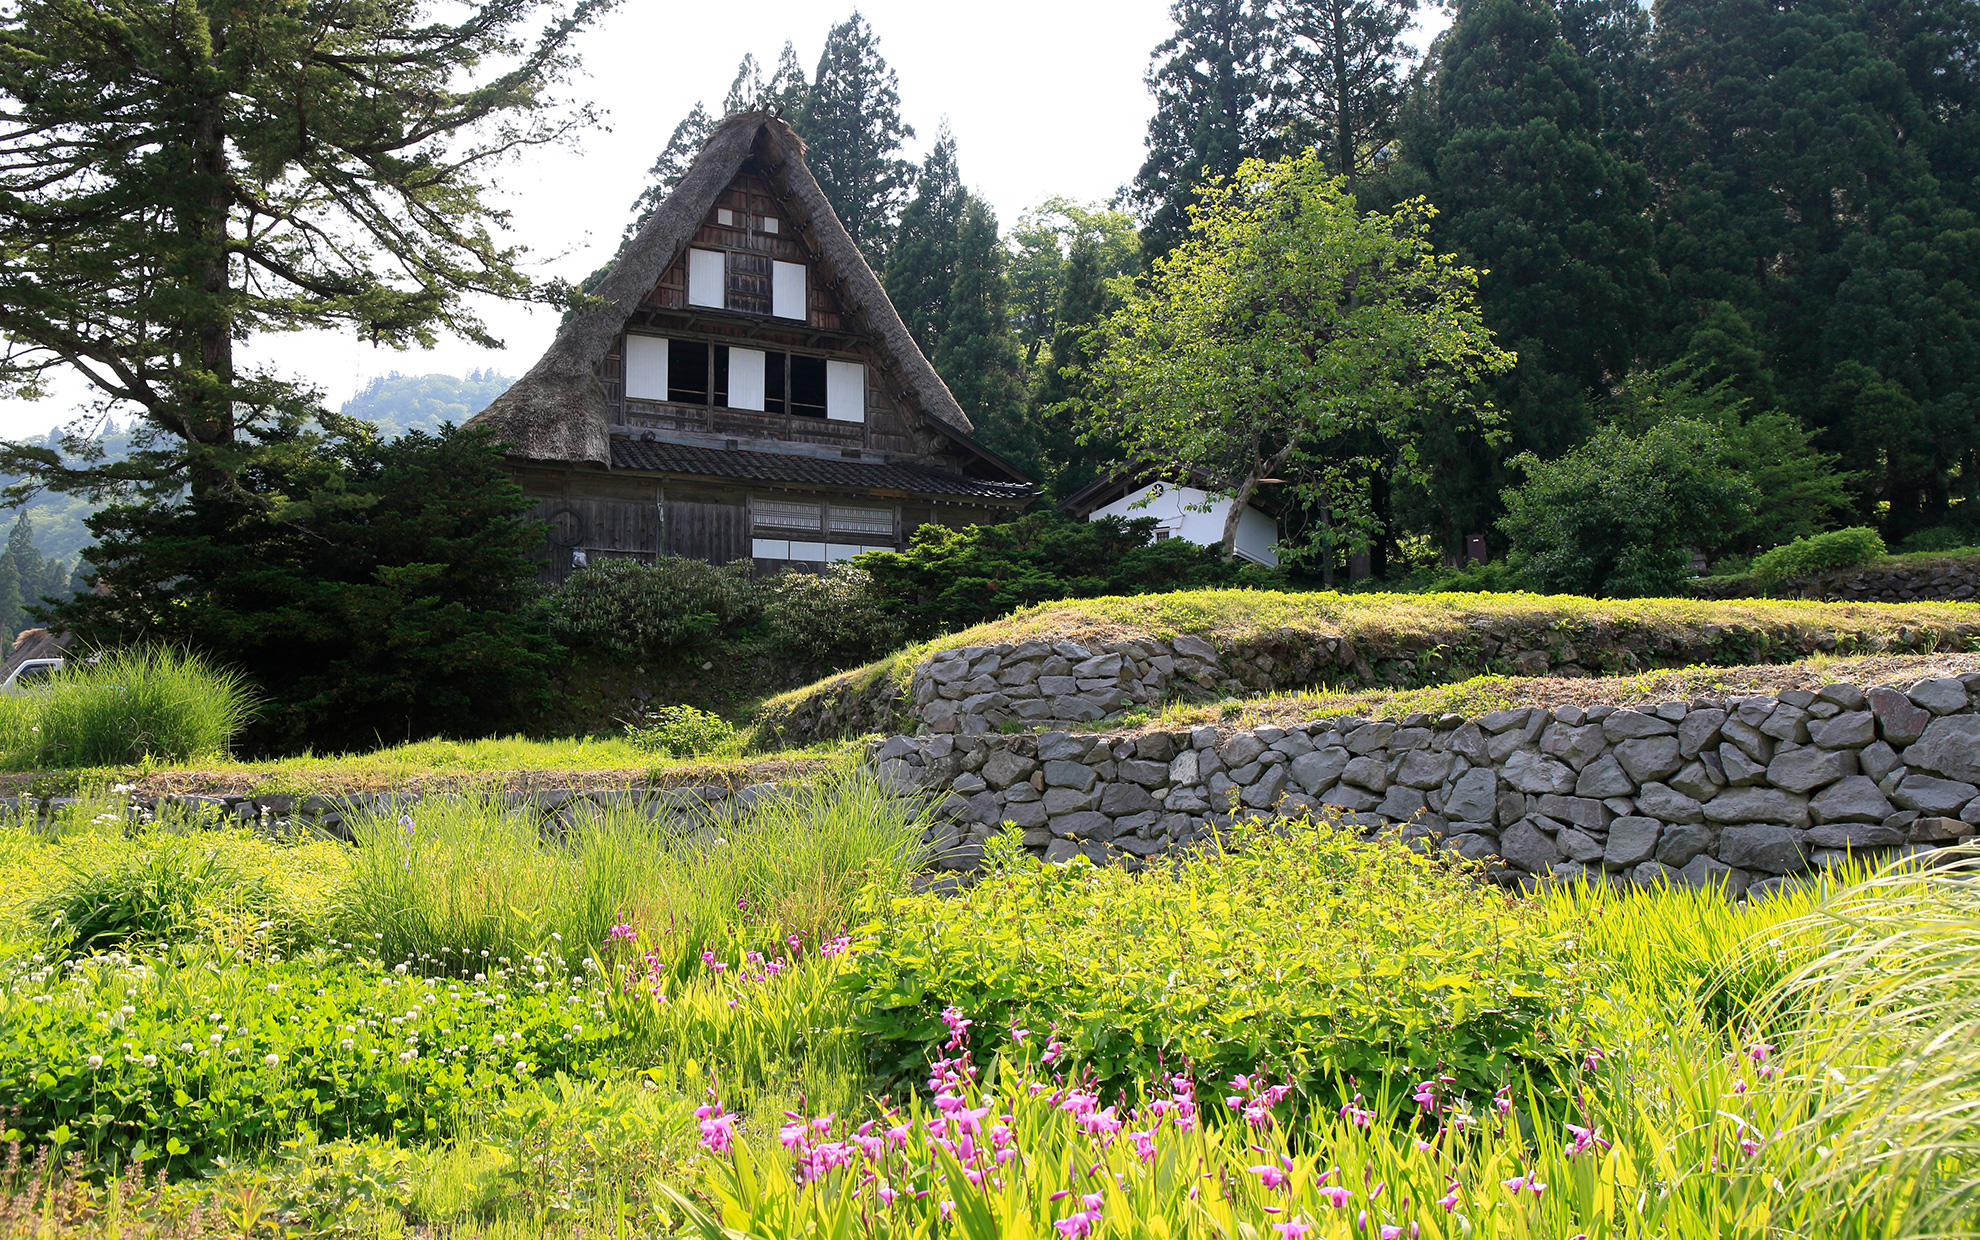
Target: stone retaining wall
x=333 y=814
x=1946 y=581
x=1741 y=793
x=972 y=690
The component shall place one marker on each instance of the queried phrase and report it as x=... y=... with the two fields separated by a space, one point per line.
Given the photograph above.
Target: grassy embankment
x=1376 y=623
x=465 y=1029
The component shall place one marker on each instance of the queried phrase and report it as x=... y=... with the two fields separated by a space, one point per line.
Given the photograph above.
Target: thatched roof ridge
x=558 y=411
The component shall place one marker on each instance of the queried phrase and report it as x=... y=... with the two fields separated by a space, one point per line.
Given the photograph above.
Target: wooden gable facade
x=760 y=398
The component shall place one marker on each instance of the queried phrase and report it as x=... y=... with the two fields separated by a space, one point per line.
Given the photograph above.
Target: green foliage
x=397 y=403
x=1936 y=538
x=1619 y=516
x=852 y=128
x=188 y=1058
x=1293 y=336
x=155 y=702
x=1836 y=549
x=950 y=579
x=393 y=596
x=679 y=732
x=635 y=611
x=837 y=619
x=160 y=890
x=1302 y=953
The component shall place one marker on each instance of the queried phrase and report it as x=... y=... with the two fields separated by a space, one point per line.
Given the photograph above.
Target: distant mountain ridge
x=398 y=403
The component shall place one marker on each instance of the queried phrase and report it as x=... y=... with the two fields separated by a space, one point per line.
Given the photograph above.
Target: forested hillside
x=398 y=403
x=1762 y=220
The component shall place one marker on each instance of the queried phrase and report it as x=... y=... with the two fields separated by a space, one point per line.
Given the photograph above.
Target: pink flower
x=1760 y=1050
x=1078 y=1226
x=1337 y=1196
x=1449 y=1201
x=1426 y=1095
x=1292 y=1230
x=1268 y=1175
x=1390 y=1232
x=1739 y=1086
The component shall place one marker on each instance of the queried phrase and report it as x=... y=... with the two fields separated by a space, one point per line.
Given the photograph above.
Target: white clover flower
x=347 y=1044
x=407 y=1056
x=272 y=1060
x=400 y=968
x=216 y=1039
x=186 y=1047
x=128 y=1010
x=499 y=1040
x=150 y=1061
x=96 y=1061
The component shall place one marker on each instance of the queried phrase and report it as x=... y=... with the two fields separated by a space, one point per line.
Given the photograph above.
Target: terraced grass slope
x=1272 y=641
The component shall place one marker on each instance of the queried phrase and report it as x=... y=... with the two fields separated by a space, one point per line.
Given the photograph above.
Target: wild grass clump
x=454 y=879
x=151 y=703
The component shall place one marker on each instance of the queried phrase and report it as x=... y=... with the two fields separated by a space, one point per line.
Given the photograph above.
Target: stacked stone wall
x=1954 y=580
x=971 y=690
x=1741 y=793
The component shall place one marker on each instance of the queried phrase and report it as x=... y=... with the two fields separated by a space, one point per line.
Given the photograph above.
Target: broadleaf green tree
x=1288 y=322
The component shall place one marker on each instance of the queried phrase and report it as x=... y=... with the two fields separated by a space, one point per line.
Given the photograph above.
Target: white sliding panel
x=646 y=368
x=845 y=391
x=787 y=291
x=708 y=279
x=745 y=378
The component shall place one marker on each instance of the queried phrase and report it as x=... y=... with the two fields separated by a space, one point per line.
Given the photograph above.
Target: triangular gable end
x=559 y=411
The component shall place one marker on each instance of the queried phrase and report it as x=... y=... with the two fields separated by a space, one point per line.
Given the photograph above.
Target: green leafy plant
x=680 y=732
x=836 y=619
x=1936 y=538
x=632 y=610
x=1818 y=553
x=1307 y=953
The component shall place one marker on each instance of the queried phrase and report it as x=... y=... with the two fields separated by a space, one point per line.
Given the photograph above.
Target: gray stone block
x=1709 y=874
x=1653 y=874
x=1155 y=747
x=1064 y=774
x=1123 y=798
x=1070 y=800
x=1749 y=740
x=1317 y=771
x=1631 y=842
x=1400 y=803
x=1899 y=720
x=1676 y=846
x=1695 y=781
x=1526 y=846
x=1472 y=847
x=1855 y=799
x=1851 y=731
x=1809 y=768
x=1424 y=768
x=1584 y=812
x=1604 y=777
x=1085 y=825
x=1531 y=773
x=1744 y=805
x=1370 y=737
x=1579 y=845
x=1472 y=798
x=1627 y=725
x=1349 y=798
x=1768 y=848
x=1928 y=795
x=1650 y=757
x=1741 y=770
x=1262 y=793
x=1942 y=695
x=1242 y=748
x=1369 y=771
x=1700 y=730
x=1858 y=836
x=1939 y=830
x=1878 y=760
x=1948 y=746
x=1667 y=804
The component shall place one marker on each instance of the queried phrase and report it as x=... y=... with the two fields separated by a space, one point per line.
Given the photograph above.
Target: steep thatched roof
x=558 y=411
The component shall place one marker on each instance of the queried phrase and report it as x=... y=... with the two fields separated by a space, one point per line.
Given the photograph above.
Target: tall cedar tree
x=1554 y=221
x=921 y=264
x=1339 y=76
x=668 y=168
x=1065 y=462
x=1212 y=86
x=1288 y=323
x=178 y=175
x=853 y=136
x=977 y=356
x=410 y=611
x=1818 y=162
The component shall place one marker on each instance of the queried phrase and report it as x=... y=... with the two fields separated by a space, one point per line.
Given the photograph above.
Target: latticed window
x=866 y=524
x=789 y=517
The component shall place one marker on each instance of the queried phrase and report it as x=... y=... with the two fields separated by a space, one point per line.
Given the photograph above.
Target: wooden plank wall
x=601 y=528
x=716 y=530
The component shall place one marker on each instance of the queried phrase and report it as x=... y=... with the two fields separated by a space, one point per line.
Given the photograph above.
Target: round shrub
x=1819 y=553
x=632 y=610
x=836 y=619
x=679 y=732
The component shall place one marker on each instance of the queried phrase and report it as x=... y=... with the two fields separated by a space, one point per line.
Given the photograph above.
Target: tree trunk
x=1259 y=471
x=1343 y=116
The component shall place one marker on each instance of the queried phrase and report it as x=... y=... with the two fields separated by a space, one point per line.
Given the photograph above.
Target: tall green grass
x=455 y=879
x=150 y=703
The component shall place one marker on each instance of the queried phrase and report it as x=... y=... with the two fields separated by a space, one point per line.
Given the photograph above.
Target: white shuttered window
x=646 y=368
x=845 y=391
x=746 y=378
x=787 y=291
x=780 y=515
x=866 y=525
x=707 y=278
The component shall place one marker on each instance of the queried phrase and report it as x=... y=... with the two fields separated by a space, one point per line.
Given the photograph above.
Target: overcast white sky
x=1044 y=97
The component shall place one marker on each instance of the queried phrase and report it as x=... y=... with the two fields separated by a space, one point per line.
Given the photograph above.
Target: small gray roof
x=558 y=410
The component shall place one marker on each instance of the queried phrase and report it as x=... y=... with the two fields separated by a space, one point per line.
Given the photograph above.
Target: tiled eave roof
x=774 y=467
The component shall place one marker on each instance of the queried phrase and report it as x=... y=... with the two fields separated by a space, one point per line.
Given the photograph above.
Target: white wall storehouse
x=1183 y=514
